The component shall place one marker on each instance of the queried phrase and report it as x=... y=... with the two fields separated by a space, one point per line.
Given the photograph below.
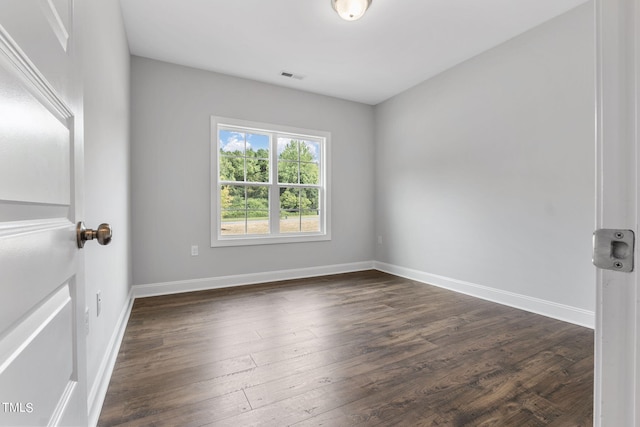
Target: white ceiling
x=396 y=45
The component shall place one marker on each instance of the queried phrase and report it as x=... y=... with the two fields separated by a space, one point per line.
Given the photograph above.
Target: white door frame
x=617 y=376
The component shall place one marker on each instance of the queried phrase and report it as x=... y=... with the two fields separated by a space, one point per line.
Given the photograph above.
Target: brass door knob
x=102 y=234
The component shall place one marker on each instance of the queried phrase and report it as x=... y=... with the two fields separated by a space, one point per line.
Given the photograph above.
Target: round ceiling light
x=350 y=10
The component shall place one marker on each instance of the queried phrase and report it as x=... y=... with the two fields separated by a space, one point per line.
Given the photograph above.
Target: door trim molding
x=16 y=228
x=617 y=376
x=57 y=26
x=16 y=61
x=65 y=400
x=19 y=338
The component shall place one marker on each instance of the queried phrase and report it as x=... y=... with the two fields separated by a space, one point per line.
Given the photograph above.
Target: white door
x=617 y=371
x=42 y=338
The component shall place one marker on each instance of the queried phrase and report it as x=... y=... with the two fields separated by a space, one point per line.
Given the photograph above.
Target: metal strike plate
x=613 y=249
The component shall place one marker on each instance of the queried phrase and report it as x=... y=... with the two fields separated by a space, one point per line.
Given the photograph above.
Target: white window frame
x=274 y=237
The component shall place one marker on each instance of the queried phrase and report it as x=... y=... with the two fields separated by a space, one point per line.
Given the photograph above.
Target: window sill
x=268 y=240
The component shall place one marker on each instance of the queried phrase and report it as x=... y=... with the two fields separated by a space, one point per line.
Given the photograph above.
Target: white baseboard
x=99 y=388
x=551 y=309
x=166 y=288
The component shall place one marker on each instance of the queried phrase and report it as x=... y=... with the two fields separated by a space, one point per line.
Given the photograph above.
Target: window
x=269 y=184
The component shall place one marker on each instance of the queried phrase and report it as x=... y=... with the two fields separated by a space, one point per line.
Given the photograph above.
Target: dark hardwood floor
x=353 y=349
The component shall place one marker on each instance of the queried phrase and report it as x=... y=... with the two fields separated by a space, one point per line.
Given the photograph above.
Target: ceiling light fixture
x=350 y=10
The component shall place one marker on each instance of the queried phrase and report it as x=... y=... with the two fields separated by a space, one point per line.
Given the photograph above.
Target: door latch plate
x=613 y=249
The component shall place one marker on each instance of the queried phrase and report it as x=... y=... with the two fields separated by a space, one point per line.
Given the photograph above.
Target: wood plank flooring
x=364 y=348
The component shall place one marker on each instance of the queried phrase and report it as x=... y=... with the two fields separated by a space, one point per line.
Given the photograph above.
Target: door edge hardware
x=102 y=234
x=613 y=249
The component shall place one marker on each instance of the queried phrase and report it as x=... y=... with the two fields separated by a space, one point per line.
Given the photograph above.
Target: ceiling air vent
x=291 y=75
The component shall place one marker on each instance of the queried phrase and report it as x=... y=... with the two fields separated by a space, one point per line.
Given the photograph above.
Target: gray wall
x=485 y=173
x=171 y=109
x=107 y=180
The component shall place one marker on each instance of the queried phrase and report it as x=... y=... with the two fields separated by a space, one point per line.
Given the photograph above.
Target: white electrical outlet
x=194 y=250
x=98 y=303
